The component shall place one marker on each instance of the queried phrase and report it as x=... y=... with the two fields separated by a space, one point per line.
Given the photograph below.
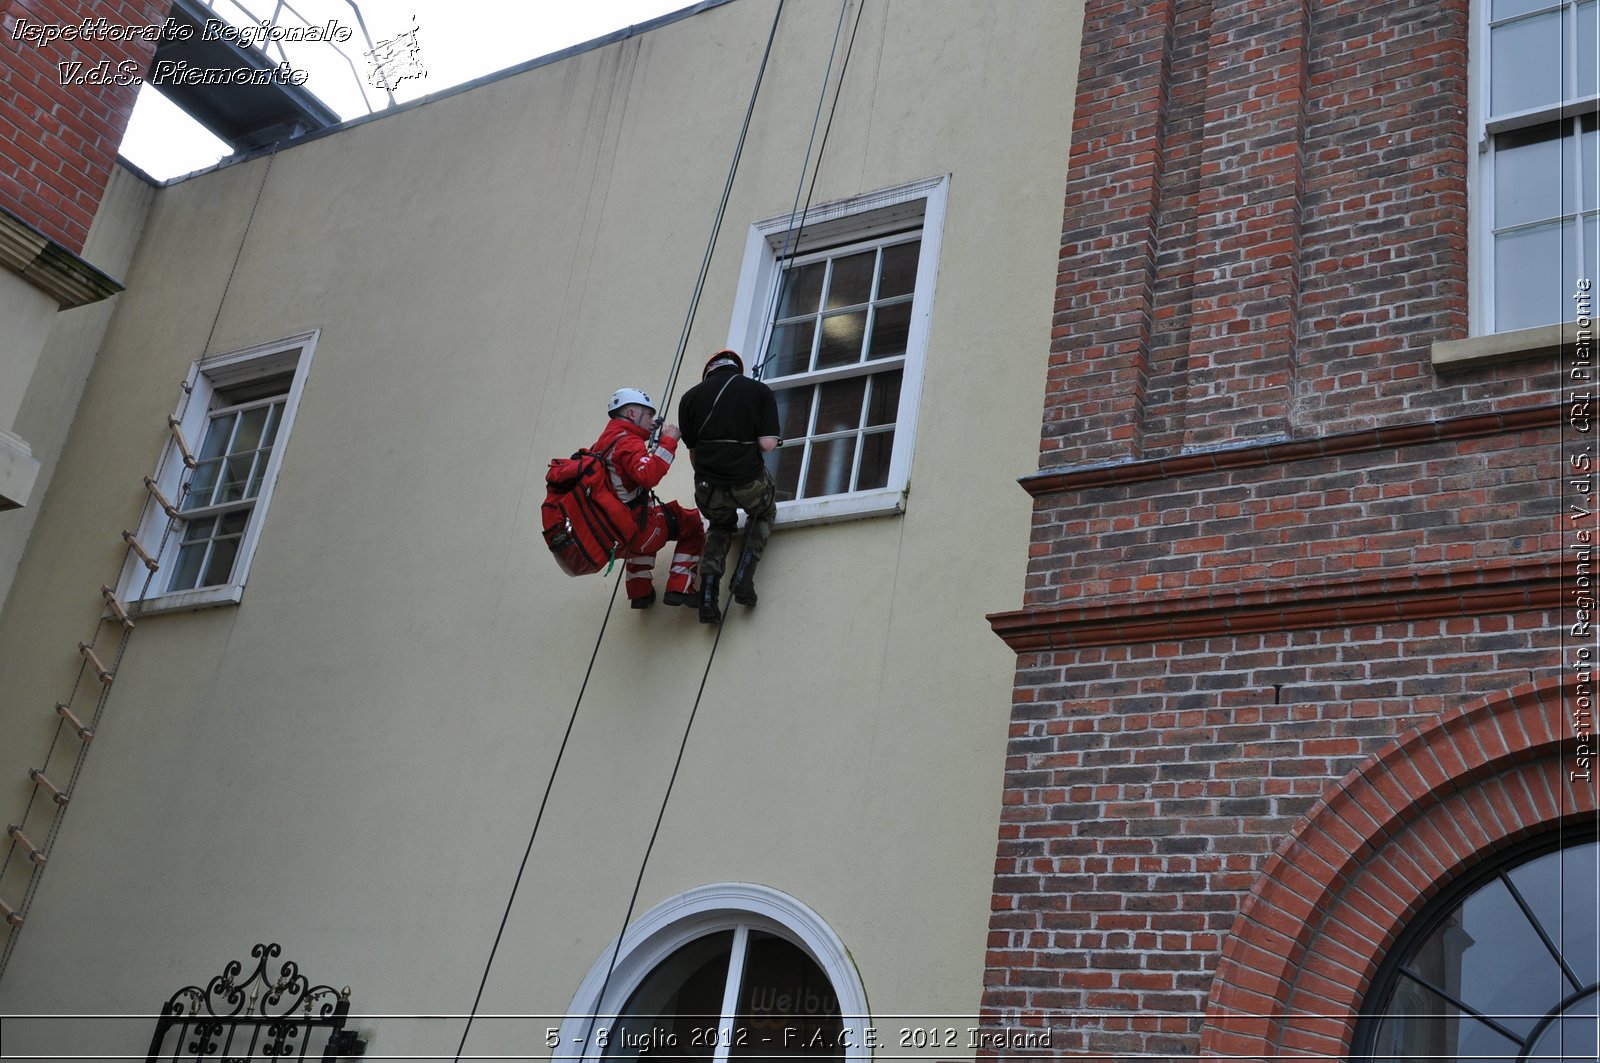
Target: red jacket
x=634 y=470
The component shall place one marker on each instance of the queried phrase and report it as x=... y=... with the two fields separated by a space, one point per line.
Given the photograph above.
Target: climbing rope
x=716 y=228
x=791 y=236
x=672 y=375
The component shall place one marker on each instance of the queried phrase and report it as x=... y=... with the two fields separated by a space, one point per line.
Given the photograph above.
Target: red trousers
x=640 y=553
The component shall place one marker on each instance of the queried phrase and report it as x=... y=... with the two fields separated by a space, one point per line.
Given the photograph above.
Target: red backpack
x=585 y=523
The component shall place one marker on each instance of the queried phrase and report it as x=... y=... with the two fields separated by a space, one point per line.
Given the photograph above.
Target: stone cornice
x=48 y=266
x=1279 y=452
x=1508 y=587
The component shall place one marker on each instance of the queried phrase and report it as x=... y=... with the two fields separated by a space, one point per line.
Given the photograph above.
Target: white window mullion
x=730 y=993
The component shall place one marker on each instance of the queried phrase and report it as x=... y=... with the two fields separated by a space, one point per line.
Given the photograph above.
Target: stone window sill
x=1506 y=347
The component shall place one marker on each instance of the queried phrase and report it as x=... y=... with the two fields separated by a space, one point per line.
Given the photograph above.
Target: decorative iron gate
x=261 y=1017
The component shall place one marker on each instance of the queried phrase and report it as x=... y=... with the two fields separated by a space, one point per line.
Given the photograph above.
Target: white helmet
x=630 y=397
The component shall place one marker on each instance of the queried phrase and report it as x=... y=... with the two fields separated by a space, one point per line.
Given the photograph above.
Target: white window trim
x=705 y=910
x=192 y=415
x=1480 y=175
x=752 y=302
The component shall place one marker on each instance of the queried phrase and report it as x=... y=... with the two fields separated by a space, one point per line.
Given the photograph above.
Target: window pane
x=1528 y=176
x=1508 y=8
x=271 y=433
x=839 y=405
x=794 y=412
x=829 y=473
x=899 y=269
x=1528 y=284
x=1561 y=888
x=876 y=450
x=218 y=431
x=681 y=996
x=220 y=565
x=1573 y=1036
x=852 y=280
x=1526 y=62
x=251 y=423
x=1421 y=1025
x=784 y=464
x=1489 y=956
x=235 y=472
x=1589 y=149
x=884 y=408
x=790 y=350
x=258 y=473
x=891 y=325
x=187 y=571
x=802 y=288
x=841 y=339
x=787 y=1006
x=198 y=530
x=202 y=482
x=1587 y=24
x=1591 y=237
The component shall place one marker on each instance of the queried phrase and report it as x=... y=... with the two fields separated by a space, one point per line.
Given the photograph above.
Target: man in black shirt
x=730 y=422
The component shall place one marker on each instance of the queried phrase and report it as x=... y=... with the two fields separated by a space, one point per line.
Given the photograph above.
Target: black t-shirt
x=723 y=431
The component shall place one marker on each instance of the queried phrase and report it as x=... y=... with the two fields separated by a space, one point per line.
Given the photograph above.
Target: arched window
x=730 y=971
x=1504 y=964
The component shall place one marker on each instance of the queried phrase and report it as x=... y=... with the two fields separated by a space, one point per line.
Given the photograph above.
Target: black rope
x=677 y=360
x=538 y=818
x=716 y=228
x=792 y=234
x=791 y=238
x=683 y=744
x=638 y=882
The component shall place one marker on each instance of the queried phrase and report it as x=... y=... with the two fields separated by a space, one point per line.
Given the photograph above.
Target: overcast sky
x=457 y=40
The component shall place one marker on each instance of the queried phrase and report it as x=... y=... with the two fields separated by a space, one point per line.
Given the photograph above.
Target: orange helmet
x=722 y=358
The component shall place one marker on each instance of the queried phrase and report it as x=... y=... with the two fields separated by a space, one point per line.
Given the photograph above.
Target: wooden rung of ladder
x=22 y=840
x=133 y=544
x=41 y=779
x=105 y=674
x=84 y=734
x=10 y=915
x=161 y=500
x=183 y=444
x=118 y=610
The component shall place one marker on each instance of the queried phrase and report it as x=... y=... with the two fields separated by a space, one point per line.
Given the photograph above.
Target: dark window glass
x=1501 y=968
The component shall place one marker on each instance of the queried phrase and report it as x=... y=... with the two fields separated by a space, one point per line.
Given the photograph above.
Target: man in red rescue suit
x=635 y=469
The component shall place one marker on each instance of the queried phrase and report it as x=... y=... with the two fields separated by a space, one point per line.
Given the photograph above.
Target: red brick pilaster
x=1247 y=250
x=1100 y=336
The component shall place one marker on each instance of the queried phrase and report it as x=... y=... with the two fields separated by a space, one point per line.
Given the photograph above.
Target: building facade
x=308 y=462
x=1300 y=754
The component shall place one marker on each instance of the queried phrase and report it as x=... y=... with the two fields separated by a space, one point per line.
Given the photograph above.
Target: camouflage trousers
x=721 y=504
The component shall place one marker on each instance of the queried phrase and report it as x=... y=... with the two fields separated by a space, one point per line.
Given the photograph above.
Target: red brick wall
x=58 y=142
x=1270 y=542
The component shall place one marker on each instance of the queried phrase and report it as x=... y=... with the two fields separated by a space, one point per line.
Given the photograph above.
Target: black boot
x=643 y=603
x=743 y=584
x=710 y=613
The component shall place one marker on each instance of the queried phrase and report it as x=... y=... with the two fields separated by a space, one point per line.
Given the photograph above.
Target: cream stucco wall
x=41 y=403
x=349 y=761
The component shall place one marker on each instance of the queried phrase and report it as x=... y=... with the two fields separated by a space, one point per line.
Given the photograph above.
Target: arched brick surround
x=1369 y=855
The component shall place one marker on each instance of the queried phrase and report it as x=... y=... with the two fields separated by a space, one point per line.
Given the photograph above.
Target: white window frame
x=672 y=924
x=1480 y=163
x=859 y=217
x=140 y=588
